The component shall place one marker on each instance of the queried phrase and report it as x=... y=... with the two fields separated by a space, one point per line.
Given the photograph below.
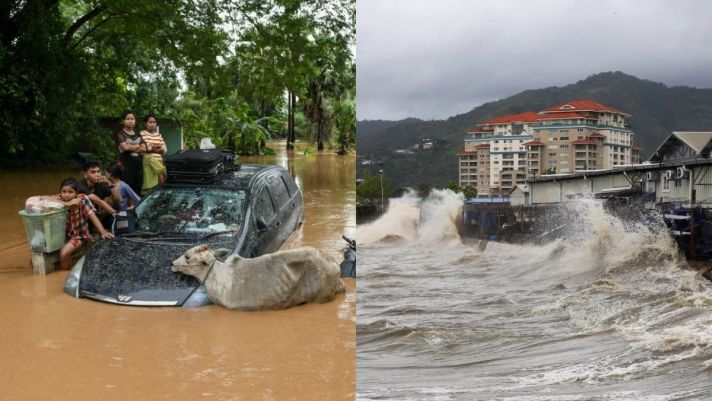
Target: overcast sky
x=435 y=59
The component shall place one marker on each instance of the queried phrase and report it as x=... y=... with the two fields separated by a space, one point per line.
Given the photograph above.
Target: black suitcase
x=195 y=166
x=230 y=160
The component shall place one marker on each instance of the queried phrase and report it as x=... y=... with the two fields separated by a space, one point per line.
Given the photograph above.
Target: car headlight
x=199 y=297
x=71 y=284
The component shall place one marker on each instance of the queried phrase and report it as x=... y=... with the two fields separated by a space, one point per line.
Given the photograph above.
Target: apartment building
x=499 y=147
x=580 y=135
x=575 y=136
x=468 y=169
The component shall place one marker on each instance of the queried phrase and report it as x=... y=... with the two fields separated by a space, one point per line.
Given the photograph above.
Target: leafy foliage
x=220 y=68
x=373 y=187
x=469 y=191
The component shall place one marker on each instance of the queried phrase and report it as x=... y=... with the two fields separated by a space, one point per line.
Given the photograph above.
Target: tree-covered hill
x=366 y=128
x=656 y=111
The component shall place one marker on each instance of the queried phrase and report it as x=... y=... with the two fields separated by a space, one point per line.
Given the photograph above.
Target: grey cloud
x=436 y=59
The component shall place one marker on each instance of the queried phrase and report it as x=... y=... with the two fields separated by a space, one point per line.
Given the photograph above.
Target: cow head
x=195 y=262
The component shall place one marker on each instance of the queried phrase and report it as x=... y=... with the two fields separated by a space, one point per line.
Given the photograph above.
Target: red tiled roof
x=557 y=116
x=534 y=143
x=526 y=117
x=582 y=105
x=584 y=142
x=597 y=135
x=467 y=154
x=484 y=145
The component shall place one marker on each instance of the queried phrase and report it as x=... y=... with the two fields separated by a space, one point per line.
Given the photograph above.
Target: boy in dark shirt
x=102 y=193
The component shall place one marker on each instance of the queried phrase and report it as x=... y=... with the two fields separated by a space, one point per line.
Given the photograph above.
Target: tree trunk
x=320 y=124
x=290 y=120
x=320 y=135
x=292 y=133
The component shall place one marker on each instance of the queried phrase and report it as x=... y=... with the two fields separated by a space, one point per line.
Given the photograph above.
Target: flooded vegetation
x=55 y=346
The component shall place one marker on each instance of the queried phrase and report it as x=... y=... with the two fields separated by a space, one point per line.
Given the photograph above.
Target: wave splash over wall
x=411 y=219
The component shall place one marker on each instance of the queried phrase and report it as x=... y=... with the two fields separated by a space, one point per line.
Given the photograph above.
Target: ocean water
x=606 y=311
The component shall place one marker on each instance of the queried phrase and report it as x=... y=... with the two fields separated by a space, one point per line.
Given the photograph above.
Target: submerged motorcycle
x=348 y=265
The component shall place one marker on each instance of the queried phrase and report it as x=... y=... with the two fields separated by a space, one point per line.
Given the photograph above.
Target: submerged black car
x=251 y=211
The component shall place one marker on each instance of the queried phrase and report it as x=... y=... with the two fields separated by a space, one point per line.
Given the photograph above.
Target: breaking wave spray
x=614 y=288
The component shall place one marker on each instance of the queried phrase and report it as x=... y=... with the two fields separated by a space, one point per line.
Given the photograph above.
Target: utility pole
x=380 y=172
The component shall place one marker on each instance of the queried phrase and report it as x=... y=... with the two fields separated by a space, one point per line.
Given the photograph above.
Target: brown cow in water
x=278 y=280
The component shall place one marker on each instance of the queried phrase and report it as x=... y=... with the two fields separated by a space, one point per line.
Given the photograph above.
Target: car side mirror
x=261 y=224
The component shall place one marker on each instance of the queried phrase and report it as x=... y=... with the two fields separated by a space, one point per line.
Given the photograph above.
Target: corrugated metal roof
x=695 y=140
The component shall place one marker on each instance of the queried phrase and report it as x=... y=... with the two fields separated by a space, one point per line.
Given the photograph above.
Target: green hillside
x=656 y=111
x=366 y=128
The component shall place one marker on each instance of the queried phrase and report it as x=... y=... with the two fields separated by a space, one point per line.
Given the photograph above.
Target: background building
x=499 y=143
x=580 y=135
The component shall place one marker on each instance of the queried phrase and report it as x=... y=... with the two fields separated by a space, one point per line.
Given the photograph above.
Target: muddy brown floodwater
x=53 y=346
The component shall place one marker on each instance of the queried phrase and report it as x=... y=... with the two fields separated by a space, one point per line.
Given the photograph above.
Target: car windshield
x=191 y=210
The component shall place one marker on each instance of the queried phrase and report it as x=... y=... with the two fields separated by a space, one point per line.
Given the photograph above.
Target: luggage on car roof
x=197 y=166
x=230 y=161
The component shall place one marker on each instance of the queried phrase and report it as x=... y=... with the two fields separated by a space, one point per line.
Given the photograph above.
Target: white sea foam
x=400 y=220
x=431 y=221
x=612 y=287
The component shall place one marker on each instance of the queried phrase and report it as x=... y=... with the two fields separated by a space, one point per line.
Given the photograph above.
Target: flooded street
x=56 y=347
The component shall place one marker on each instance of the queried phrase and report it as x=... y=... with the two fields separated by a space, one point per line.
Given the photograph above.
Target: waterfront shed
x=519 y=196
x=684 y=145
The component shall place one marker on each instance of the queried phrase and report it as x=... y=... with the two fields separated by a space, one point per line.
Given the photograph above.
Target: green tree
x=66 y=64
x=247 y=66
x=454 y=187
x=343 y=114
x=370 y=187
x=469 y=192
x=290 y=37
x=334 y=79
